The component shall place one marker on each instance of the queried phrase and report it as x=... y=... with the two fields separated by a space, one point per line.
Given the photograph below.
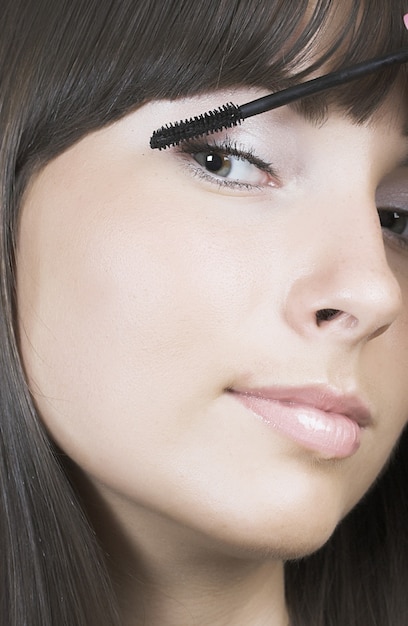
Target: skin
x=146 y=292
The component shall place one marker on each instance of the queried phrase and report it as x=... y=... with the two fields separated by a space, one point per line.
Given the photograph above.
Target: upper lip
x=321 y=397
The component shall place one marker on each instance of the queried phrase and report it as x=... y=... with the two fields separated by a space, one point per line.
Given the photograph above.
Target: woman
x=204 y=350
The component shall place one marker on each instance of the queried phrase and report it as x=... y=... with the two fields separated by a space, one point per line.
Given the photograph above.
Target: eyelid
x=392 y=201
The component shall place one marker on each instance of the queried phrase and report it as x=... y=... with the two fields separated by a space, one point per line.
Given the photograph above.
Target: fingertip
x=406 y=20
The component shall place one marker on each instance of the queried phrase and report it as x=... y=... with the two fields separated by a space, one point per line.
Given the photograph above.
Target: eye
x=394 y=221
x=395 y=226
x=214 y=162
x=236 y=168
x=392 y=207
x=227 y=164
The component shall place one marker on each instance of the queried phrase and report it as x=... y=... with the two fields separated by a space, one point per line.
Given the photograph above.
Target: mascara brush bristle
x=171 y=135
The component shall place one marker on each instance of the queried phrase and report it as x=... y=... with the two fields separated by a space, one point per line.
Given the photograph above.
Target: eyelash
x=227 y=147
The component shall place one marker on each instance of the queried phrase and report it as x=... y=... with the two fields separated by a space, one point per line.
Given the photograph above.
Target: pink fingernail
x=406 y=20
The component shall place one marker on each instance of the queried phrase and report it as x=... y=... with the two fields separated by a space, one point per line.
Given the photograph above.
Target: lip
x=318 y=418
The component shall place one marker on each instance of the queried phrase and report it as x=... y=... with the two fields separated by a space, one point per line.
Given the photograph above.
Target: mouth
x=318 y=418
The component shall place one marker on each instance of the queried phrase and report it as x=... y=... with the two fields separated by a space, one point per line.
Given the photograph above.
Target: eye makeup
x=229 y=164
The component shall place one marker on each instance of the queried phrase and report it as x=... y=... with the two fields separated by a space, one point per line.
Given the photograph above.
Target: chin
x=283 y=533
x=280 y=545
x=290 y=521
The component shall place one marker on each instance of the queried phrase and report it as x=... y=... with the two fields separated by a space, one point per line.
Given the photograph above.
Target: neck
x=179 y=591
x=167 y=575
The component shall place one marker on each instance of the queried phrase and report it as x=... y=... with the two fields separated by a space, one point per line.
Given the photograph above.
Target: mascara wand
x=230 y=114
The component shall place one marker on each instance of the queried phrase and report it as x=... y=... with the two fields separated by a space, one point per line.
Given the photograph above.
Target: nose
x=343 y=285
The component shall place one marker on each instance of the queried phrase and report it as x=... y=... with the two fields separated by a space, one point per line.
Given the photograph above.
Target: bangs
x=76 y=65
x=274 y=45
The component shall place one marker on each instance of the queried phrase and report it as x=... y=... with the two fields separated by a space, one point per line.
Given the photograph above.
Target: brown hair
x=68 y=67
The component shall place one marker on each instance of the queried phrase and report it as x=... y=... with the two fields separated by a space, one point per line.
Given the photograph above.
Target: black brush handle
x=317 y=85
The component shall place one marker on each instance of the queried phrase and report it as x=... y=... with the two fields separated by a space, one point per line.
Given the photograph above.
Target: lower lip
x=330 y=435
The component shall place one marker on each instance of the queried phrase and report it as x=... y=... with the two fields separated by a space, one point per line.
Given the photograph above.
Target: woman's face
x=217 y=334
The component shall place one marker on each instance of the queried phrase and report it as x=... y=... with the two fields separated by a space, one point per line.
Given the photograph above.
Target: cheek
x=128 y=314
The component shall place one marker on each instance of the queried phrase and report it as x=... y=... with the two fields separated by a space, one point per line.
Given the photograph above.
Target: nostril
x=325 y=315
